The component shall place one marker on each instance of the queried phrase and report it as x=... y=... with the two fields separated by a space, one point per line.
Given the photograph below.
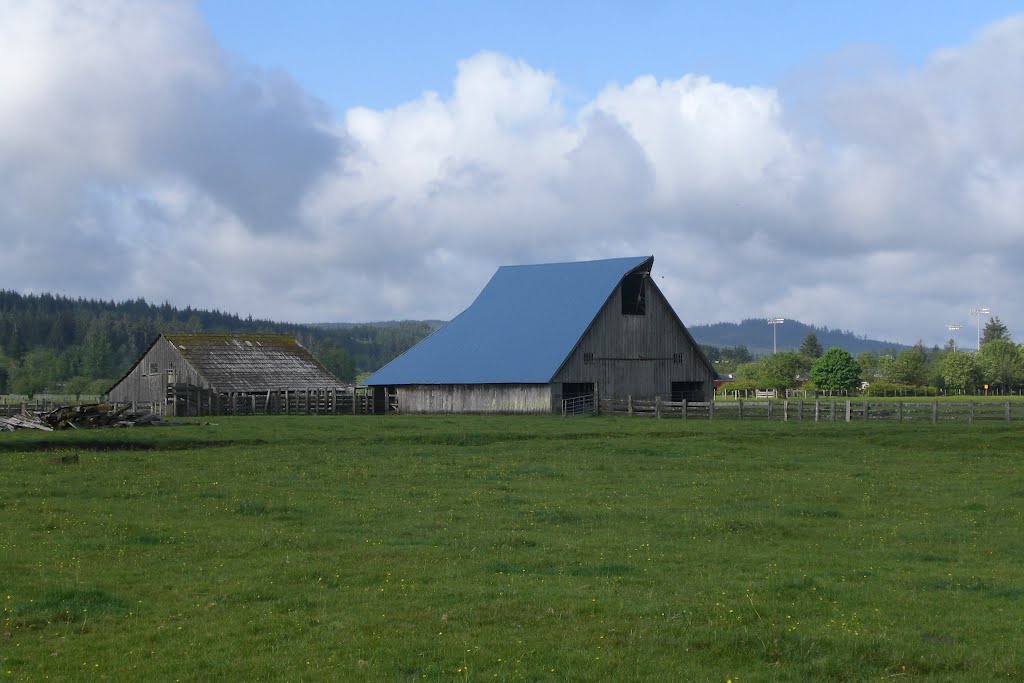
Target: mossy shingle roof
x=252 y=362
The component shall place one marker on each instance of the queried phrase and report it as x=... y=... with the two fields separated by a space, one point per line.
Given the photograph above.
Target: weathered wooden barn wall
x=635 y=355
x=474 y=398
x=148 y=380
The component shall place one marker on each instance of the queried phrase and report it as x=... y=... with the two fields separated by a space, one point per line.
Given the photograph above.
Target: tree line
x=75 y=346
x=997 y=367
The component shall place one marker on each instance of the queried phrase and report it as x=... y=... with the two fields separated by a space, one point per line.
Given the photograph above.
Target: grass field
x=531 y=548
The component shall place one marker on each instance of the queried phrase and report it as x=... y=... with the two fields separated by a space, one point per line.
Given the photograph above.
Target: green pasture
x=513 y=549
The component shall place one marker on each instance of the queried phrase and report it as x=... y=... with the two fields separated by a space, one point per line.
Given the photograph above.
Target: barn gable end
x=538 y=333
x=640 y=355
x=221 y=364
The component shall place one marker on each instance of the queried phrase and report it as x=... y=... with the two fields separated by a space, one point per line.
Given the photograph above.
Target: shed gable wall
x=143 y=385
x=633 y=355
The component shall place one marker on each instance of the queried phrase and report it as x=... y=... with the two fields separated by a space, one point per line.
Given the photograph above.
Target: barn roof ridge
x=246 y=362
x=496 y=339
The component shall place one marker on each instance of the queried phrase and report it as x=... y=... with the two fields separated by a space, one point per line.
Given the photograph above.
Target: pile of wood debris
x=87 y=416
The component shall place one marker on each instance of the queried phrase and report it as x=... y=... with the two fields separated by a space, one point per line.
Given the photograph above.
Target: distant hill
x=432 y=324
x=756 y=335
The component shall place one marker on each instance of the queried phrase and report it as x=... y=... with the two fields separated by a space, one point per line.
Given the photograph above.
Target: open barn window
x=634 y=297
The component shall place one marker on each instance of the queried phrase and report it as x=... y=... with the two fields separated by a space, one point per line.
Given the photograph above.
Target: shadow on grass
x=69 y=606
x=108 y=445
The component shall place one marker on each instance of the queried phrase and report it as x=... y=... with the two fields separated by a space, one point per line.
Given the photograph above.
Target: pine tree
x=811 y=347
x=994 y=329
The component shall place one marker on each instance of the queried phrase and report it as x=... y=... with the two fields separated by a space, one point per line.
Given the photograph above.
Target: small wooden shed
x=539 y=333
x=192 y=374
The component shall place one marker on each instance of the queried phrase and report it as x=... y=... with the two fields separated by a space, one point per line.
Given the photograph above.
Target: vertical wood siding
x=633 y=354
x=141 y=385
x=475 y=398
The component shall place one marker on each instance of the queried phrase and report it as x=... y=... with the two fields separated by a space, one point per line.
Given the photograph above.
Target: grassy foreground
x=470 y=548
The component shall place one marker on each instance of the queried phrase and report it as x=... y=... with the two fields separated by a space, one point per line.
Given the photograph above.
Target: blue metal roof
x=520 y=329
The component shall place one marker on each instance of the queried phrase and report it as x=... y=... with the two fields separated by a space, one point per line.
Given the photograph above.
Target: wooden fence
x=185 y=400
x=10 y=407
x=817 y=410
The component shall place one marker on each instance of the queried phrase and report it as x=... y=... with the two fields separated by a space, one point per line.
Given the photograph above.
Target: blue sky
x=859 y=166
x=382 y=54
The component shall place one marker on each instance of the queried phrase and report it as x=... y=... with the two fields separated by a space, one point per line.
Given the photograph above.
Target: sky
x=859 y=167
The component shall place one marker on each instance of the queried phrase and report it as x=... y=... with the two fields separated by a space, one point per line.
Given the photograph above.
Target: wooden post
x=657 y=406
x=1007 y=408
x=785 y=411
x=817 y=410
x=711 y=410
x=970 y=412
x=832 y=412
x=847 y=411
x=865 y=410
x=629 y=404
x=740 y=402
x=800 y=409
x=935 y=412
x=685 y=410
x=252 y=399
x=899 y=411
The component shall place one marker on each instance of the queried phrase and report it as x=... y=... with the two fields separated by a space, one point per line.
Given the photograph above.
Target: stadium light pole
x=775 y=322
x=979 y=312
x=953 y=327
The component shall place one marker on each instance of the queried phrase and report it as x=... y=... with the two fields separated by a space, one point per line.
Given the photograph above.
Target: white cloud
x=137 y=159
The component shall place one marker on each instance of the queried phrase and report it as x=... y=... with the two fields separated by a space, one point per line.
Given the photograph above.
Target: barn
x=191 y=374
x=538 y=334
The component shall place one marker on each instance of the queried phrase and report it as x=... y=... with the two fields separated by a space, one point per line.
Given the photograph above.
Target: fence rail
x=191 y=401
x=817 y=410
x=9 y=408
x=579 y=405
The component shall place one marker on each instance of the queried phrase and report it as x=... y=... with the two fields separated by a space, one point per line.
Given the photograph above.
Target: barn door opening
x=578 y=398
x=688 y=391
x=577 y=389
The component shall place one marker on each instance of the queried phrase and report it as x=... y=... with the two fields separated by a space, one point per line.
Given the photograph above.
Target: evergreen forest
x=55 y=344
